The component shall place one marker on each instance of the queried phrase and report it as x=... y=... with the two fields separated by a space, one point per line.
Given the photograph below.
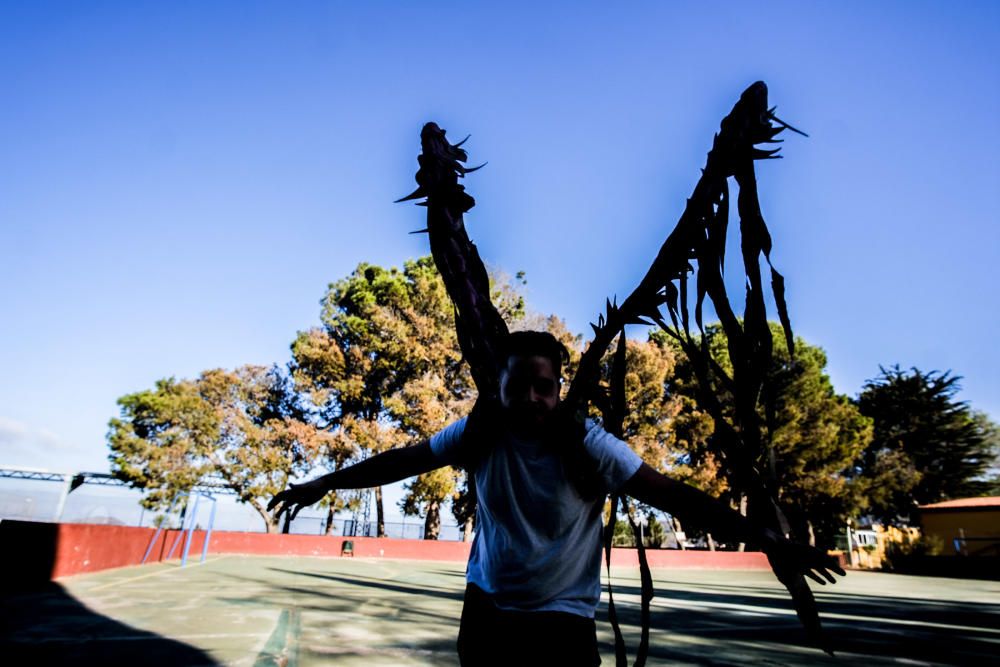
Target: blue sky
x=180 y=181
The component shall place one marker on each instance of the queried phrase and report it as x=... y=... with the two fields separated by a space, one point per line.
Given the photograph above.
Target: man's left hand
x=786 y=555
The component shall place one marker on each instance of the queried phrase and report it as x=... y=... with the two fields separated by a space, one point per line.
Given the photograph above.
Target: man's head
x=530 y=376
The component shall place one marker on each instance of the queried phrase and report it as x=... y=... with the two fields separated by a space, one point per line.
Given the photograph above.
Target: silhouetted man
x=533 y=577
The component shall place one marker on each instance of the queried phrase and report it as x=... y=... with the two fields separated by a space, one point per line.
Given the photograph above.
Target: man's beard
x=529 y=418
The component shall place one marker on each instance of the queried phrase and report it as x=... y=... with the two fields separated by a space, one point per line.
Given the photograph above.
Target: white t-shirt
x=538 y=543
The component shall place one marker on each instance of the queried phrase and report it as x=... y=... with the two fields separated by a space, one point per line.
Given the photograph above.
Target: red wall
x=89 y=548
x=83 y=547
x=78 y=548
x=675 y=559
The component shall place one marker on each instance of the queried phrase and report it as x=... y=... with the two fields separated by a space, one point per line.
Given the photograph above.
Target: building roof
x=985 y=501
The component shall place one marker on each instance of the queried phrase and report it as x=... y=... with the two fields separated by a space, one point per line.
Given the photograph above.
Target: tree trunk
x=711 y=542
x=811 y=533
x=432 y=524
x=678 y=528
x=379 y=512
x=467 y=529
x=743 y=512
x=329 y=521
x=269 y=524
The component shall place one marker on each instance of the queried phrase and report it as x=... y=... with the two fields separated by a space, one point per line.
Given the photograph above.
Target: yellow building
x=967 y=526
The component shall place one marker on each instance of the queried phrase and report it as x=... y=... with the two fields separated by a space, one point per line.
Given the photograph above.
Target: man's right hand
x=385 y=468
x=297 y=496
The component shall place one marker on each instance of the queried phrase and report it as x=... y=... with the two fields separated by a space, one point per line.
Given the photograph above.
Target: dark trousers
x=491 y=636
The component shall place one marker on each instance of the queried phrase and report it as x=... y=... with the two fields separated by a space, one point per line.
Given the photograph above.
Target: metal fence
x=36 y=495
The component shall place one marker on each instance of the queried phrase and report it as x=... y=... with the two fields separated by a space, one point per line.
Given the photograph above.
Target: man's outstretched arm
x=690 y=504
x=385 y=468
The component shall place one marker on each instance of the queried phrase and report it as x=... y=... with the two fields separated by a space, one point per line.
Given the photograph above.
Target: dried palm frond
x=695 y=246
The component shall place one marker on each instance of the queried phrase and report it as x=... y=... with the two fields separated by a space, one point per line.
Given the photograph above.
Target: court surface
x=257 y=611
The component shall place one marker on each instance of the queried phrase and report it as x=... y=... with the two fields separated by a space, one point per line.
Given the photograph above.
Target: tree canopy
x=928 y=446
x=244 y=427
x=383 y=369
x=815 y=437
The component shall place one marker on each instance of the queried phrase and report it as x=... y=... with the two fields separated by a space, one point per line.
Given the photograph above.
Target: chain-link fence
x=29 y=495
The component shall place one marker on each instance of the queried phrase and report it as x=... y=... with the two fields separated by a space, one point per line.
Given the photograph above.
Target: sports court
x=257 y=611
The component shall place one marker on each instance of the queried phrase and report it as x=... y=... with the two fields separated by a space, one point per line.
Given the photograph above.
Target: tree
x=265 y=436
x=385 y=368
x=162 y=439
x=928 y=446
x=652 y=532
x=815 y=434
x=386 y=335
x=244 y=427
x=425 y=496
x=990 y=480
x=650 y=410
x=463 y=506
x=649 y=425
x=421 y=408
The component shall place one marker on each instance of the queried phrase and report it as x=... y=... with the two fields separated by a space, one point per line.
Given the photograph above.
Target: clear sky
x=180 y=181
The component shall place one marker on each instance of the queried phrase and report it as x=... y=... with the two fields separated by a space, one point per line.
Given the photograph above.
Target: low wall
x=36 y=552
x=675 y=559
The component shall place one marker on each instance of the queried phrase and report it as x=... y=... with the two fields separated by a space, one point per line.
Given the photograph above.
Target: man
x=533 y=578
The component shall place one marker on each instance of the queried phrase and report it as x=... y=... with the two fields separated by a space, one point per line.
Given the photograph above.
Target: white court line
x=732 y=606
x=153 y=574
x=152 y=636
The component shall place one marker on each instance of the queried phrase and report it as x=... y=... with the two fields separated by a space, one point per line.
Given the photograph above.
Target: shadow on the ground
x=430 y=652
x=395 y=587
x=922 y=630
x=48 y=626
x=725 y=624
x=344 y=602
x=735 y=624
x=42 y=624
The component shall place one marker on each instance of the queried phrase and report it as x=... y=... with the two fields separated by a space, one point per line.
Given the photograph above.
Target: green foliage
x=990 y=480
x=656 y=534
x=649 y=410
x=692 y=459
x=927 y=447
x=653 y=532
x=244 y=427
x=623 y=536
x=463 y=506
x=163 y=439
x=815 y=435
x=382 y=329
x=385 y=368
x=425 y=495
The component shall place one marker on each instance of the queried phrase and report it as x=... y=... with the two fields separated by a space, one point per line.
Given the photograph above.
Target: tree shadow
x=380 y=584
x=343 y=602
x=352 y=593
x=895 y=628
x=733 y=624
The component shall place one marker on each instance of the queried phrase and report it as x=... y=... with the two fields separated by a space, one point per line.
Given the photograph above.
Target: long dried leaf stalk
x=695 y=246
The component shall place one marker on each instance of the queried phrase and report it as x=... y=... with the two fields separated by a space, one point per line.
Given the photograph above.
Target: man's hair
x=534 y=343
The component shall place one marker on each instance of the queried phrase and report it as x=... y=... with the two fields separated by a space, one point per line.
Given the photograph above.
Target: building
x=966 y=526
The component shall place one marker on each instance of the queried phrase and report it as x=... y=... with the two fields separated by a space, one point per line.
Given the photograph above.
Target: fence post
x=190 y=529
